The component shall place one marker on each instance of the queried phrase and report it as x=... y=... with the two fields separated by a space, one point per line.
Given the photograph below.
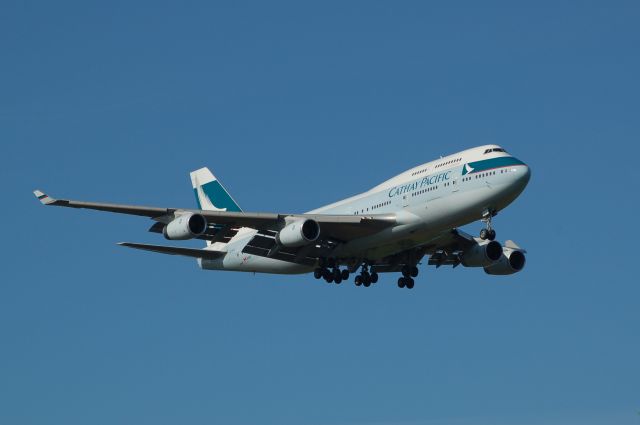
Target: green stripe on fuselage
x=489 y=164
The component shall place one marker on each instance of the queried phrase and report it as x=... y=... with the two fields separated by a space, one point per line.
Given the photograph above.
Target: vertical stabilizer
x=210 y=194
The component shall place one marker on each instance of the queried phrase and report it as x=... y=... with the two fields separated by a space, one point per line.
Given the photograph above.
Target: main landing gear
x=488 y=232
x=408 y=273
x=365 y=278
x=330 y=272
x=334 y=275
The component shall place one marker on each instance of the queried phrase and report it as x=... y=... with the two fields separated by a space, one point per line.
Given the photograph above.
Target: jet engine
x=185 y=226
x=482 y=254
x=511 y=261
x=298 y=233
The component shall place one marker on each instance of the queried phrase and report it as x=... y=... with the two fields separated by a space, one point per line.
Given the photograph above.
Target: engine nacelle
x=482 y=254
x=185 y=226
x=298 y=233
x=511 y=261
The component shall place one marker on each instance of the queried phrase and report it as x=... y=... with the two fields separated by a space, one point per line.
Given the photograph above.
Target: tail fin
x=210 y=194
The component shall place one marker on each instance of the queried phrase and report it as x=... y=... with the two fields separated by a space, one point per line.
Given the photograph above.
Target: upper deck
x=443 y=164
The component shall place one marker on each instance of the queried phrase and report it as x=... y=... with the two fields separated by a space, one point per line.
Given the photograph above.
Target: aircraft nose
x=523 y=175
x=526 y=175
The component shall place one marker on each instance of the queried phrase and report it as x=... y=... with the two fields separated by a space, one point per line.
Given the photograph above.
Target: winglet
x=43 y=197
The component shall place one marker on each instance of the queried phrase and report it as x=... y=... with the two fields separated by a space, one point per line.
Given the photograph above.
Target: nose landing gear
x=488 y=232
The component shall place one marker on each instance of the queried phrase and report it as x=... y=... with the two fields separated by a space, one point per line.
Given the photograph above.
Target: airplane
x=389 y=228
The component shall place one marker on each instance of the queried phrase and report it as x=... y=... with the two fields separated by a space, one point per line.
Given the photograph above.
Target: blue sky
x=294 y=105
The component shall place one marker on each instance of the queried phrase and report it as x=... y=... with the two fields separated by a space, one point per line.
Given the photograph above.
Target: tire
x=367 y=283
x=337 y=275
x=492 y=234
x=484 y=234
x=358 y=280
x=401 y=282
x=406 y=271
x=338 y=281
x=410 y=282
x=345 y=274
x=414 y=271
x=317 y=273
x=374 y=277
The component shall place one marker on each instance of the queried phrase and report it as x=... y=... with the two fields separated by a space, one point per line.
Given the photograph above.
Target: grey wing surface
x=222 y=225
x=443 y=250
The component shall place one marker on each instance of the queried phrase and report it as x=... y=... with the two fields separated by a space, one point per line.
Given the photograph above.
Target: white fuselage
x=426 y=200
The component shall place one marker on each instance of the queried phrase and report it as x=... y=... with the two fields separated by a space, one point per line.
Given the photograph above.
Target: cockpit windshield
x=494 y=150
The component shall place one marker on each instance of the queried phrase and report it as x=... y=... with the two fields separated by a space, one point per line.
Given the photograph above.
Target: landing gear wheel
x=488 y=232
x=401 y=282
x=406 y=271
x=336 y=274
x=329 y=278
x=317 y=273
x=367 y=283
x=345 y=274
x=327 y=274
x=338 y=280
x=409 y=283
x=414 y=271
x=374 y=277
x=358 y=280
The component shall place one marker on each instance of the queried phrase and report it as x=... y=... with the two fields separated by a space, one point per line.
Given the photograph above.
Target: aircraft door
x=455 y=183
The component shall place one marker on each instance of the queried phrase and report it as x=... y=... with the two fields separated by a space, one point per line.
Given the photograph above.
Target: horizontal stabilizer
x=511 y=244
x=175 y=250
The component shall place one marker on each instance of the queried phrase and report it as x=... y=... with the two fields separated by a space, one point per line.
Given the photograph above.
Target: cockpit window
x=494 y=150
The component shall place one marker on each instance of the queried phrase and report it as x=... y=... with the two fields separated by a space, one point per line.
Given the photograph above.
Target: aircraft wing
x=443 y=250
x=336 y=227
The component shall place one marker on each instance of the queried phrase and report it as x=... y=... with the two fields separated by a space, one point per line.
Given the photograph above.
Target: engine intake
x=185 y=226
x=512 y=261
x=482 y=254
x=298 y=233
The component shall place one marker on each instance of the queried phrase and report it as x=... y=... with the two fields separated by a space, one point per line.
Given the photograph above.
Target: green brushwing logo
x=467 y=169
x=212 y=196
